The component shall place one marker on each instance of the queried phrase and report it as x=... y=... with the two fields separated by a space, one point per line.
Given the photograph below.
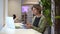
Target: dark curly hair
x=14 y=16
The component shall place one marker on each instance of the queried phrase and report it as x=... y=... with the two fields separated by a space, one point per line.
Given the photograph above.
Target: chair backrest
x=10 y=22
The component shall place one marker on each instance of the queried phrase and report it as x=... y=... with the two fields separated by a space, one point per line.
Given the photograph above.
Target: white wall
x=30 y=1
x=1 y=13
x=14 y=7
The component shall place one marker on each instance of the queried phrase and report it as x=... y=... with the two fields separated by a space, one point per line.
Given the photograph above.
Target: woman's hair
x=38 y=7
x=14 y=16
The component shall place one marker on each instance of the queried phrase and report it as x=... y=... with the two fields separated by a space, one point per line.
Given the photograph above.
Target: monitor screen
x=25 y=8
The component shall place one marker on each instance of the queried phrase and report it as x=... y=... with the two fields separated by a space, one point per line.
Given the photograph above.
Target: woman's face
x=35 y=11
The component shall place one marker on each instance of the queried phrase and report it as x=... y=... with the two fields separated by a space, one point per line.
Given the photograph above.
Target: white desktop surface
x=18 y=24
x=6 y=30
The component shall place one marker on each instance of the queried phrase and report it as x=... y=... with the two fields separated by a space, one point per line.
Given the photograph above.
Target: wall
x=1 y=13
x=30 y=1
x=14 y=7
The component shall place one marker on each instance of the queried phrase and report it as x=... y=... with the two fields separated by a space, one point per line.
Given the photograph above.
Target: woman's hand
x=28 y=25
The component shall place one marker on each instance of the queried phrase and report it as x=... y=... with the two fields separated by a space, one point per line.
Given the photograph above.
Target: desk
x=19 y=26
x=18 y=31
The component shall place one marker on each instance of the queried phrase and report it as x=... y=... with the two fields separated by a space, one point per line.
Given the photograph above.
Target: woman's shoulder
x=43 y=16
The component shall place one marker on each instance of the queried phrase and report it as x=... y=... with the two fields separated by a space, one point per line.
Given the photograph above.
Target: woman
x=39 y=21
